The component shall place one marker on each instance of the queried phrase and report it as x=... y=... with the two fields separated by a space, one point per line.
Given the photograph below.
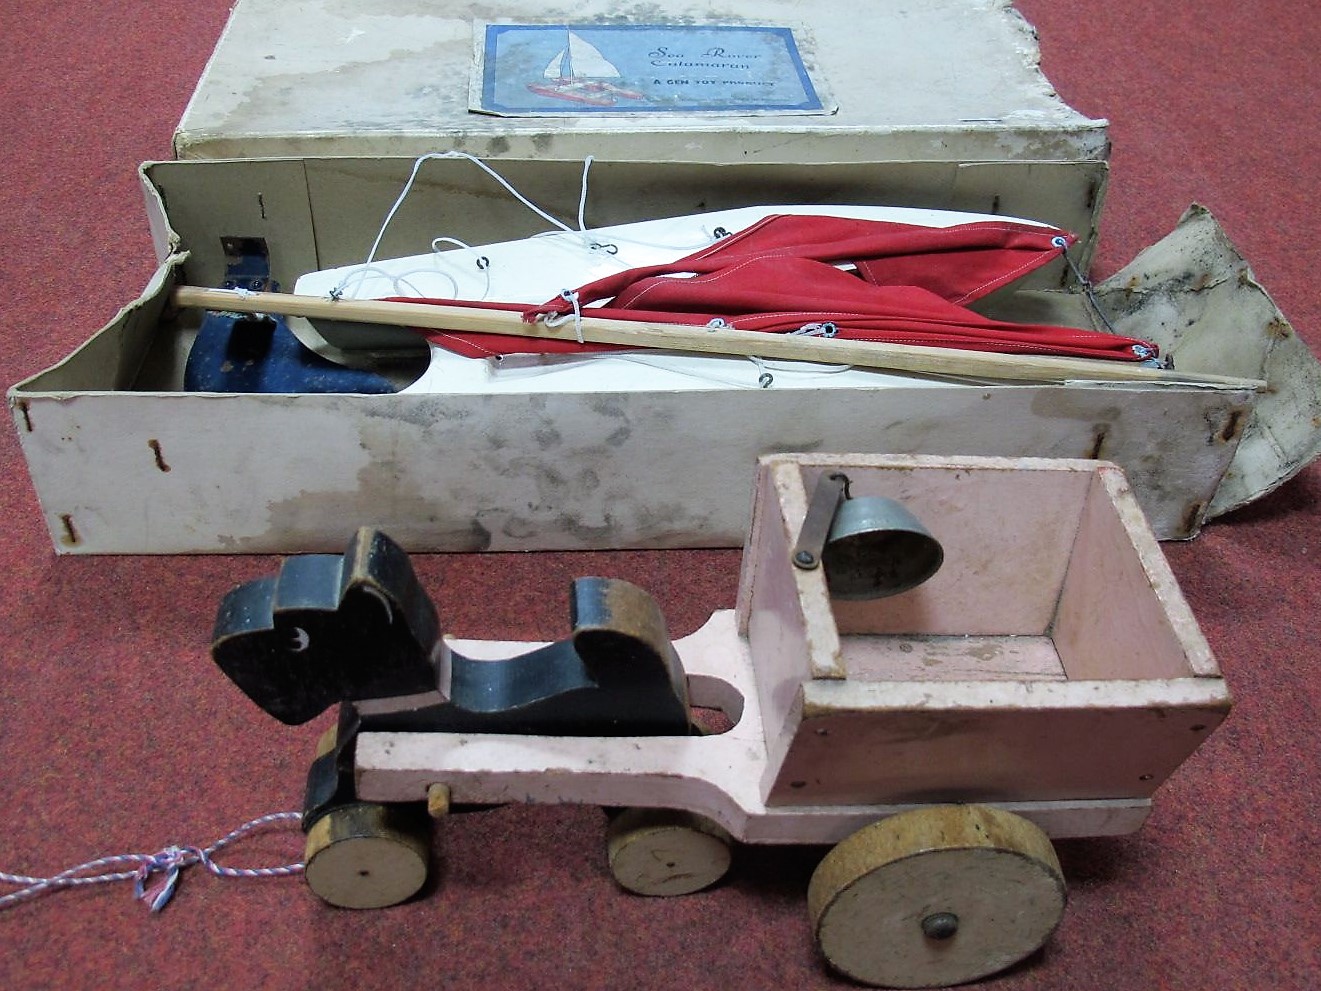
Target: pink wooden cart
x=1043 y=683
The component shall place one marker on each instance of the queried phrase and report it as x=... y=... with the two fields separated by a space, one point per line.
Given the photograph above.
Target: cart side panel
x=1121 y=614
x=993 y=741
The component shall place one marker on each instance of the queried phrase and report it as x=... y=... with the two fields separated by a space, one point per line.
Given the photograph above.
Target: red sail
x=908 y=284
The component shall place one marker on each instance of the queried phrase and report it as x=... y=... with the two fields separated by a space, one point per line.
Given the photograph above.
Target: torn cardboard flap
x=1194 y=294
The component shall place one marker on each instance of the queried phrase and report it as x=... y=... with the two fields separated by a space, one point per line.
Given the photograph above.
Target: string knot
x=169 y=862
x=570 y=296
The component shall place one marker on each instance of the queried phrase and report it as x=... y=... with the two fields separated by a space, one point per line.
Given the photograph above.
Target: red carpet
x=117 y=734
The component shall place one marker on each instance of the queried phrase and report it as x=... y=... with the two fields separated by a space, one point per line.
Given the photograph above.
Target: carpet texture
x=117 y=734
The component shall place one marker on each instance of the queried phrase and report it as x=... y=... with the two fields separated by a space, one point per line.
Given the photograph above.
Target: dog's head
x=329 y=628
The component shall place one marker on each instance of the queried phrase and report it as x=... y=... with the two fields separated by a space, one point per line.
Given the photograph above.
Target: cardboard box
x=123 y=462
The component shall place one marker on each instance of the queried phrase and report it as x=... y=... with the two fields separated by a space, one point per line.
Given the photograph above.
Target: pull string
x=155 y=876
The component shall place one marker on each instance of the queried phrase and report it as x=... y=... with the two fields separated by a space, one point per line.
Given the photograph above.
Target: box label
x=555 y=70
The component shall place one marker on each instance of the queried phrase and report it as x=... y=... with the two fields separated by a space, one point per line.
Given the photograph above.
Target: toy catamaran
x=850 y=288
x=579 y=73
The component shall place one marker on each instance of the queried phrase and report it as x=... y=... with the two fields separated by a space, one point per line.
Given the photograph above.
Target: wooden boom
x=683 y=337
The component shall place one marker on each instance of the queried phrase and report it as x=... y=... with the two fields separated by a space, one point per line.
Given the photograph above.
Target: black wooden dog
x=359 y=629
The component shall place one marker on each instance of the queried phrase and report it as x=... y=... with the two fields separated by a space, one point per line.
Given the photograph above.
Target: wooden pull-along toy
x=935 y=663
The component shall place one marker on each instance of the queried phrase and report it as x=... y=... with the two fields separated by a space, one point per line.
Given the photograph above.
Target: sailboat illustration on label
x=579 y=73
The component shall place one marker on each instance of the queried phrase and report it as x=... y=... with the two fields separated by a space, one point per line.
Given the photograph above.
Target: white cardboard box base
x=124 y=463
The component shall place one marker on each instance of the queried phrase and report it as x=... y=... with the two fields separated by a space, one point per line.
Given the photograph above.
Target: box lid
x=932 y=80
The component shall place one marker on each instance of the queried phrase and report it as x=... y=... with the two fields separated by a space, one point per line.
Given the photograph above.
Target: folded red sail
x=908 y=284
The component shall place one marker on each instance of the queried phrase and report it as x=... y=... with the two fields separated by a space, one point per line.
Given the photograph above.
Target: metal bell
x=876 y=548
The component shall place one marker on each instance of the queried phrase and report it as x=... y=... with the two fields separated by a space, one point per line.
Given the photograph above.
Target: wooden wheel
x=936 y=896
x=665 y=852
x=367 y=855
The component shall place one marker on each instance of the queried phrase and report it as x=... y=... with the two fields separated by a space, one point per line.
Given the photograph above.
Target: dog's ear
x=619 y=632
x=391 y=618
